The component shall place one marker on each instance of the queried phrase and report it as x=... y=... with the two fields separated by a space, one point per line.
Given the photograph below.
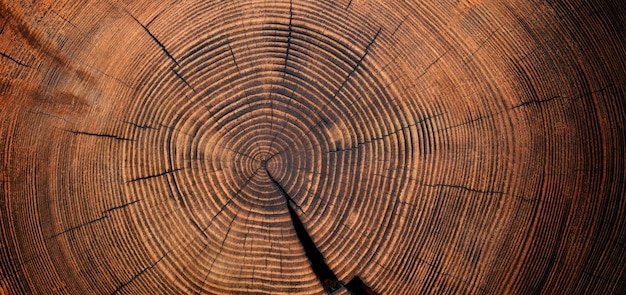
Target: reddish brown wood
x=274 y=147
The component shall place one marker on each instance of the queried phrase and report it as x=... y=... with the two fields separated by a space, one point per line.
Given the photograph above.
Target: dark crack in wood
x=156 y=175
x=324 y=274
x=19 y=63
x=111 y=136
x=121 y=206
x=71 y=229
x=180 y=77
x=155 y=39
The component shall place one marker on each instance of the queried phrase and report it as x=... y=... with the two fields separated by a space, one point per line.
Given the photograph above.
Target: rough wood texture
x=179 y=147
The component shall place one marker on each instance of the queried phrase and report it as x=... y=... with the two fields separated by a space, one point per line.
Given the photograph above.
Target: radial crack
x=140 y=273
x=280 y=188
x=324 y=274
x=536 y=101
x=230 y=48
x=76 y=132
x=177 y=74
x=140 y=126
x=287 y=50
x=19 y=63
x=121 y=206
x=156 y=40
x=79 y=226
x=156 y=175
x=289 y=35
x=356 y=67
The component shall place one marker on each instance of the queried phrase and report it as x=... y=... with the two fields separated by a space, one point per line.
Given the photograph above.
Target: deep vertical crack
x=324 y=274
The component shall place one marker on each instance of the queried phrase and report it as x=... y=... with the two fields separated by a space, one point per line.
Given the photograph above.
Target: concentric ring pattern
x=427 y=147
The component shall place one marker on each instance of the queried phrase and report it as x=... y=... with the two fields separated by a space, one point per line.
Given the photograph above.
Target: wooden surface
x=173 y=147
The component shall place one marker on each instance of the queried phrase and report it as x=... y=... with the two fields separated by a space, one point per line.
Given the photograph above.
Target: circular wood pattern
x=273 y=147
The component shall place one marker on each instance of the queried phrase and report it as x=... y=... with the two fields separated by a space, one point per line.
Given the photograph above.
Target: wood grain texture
x=275 y=147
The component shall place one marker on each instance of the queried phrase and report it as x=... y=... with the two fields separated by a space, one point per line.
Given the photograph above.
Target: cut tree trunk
x=311 y=147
